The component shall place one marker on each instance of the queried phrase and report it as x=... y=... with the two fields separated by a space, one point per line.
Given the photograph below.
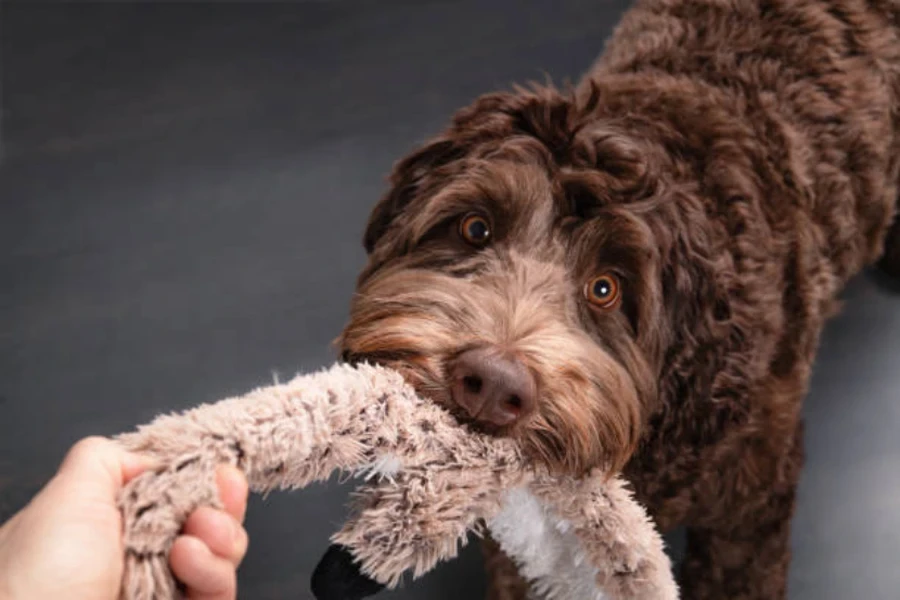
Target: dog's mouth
x=409 y=364
x=568 y=437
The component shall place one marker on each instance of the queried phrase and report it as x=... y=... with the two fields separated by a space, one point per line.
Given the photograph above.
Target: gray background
x=183 y=192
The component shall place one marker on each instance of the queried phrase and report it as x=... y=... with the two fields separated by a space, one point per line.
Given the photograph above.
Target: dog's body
x=643 y=267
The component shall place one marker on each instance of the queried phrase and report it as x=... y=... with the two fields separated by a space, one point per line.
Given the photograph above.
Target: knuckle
x=89 y=446
x=243 y=544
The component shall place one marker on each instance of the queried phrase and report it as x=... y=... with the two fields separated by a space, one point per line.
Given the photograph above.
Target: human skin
x=67 y=542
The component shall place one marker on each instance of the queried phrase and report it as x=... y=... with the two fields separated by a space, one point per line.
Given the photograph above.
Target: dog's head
x=516 y=275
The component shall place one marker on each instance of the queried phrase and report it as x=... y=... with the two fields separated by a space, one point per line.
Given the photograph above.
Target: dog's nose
x=493 y=388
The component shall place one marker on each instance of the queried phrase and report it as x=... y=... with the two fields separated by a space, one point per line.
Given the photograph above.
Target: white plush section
x=385 y=466
x=545 y=549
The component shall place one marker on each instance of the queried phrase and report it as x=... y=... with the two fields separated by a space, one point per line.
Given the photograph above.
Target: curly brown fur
x=890 y=262
x=734 y=162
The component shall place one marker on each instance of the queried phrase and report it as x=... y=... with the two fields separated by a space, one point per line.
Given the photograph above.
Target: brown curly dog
x=634 y=274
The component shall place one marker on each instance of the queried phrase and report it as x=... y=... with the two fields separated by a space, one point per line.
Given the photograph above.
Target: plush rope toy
x=430 y=482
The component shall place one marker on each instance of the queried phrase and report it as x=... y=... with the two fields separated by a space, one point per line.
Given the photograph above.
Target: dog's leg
x=890 y=261
x=504 y=581
x=744 y=552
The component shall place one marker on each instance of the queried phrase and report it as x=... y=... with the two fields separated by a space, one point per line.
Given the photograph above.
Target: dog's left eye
x=475 y=230
x=603 y=291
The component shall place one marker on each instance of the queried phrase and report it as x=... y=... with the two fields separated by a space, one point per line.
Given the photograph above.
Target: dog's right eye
x=603 y=291
x=475 y=230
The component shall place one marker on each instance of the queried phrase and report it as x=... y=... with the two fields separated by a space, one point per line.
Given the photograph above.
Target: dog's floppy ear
x=622 y=164
x=540 y=112
x=405 y=180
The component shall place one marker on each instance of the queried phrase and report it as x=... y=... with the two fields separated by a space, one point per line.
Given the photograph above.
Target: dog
x=633 y=273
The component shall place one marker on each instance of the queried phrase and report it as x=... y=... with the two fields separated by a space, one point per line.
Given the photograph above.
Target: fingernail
x=134 y=464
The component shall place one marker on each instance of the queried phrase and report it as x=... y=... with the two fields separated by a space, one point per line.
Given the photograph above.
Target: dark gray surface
x=182 y=195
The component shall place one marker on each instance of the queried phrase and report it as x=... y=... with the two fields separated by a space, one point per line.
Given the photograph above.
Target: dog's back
x=814 y=83
x=783 y=116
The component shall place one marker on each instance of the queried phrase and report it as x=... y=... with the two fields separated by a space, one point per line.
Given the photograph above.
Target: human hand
x=67 y=542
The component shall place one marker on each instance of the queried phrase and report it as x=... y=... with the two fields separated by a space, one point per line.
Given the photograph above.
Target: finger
x=206 y=576
x=221 y=533
x=101 y=461
x=135 y=464
x=233 y=490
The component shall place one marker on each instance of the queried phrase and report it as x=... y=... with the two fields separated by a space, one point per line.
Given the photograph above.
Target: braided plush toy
x=430 y=481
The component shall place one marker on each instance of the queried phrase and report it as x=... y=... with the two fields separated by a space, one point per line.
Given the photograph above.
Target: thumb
x=99 y=465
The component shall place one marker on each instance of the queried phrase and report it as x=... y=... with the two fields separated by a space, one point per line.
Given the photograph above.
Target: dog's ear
x=622 y=164
x=538 y=111
x=405 y=180
x=541 y=112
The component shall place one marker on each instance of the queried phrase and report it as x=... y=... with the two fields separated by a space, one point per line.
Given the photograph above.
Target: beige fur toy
x=430 y=482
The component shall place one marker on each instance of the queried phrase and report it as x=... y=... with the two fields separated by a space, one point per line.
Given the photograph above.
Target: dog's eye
x=603 y=291
x=475 y=230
